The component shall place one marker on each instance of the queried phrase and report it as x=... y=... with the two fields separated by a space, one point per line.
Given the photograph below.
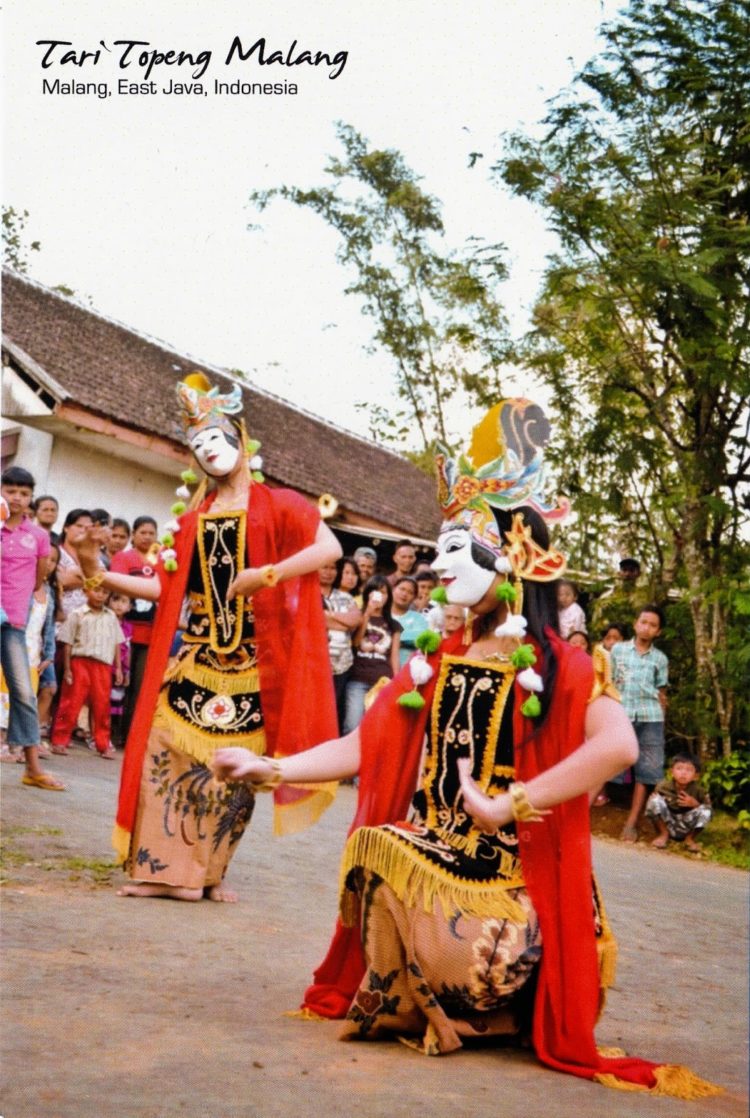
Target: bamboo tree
x=642 y=327
x=434 y=311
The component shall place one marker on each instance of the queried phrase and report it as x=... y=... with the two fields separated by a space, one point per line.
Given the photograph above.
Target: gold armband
x=94 y=581
x=269 y=574
x=522 y=808
x=274 y=779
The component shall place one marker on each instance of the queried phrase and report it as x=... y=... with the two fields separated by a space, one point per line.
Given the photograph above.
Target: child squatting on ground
x=679 y=806
x=93 y=638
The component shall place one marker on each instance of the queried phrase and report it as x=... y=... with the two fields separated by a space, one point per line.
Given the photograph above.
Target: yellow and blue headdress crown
x=204 y=406
x=504 y=468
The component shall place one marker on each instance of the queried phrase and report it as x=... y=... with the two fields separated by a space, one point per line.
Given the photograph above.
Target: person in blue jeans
x=640 y=673
x=25 y=547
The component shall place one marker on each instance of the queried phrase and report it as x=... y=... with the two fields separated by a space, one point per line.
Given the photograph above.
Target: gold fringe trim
x=428 y=1045
x=603 y=684
x=288 y=819
x=223 y=683
x=610 y=1052
x=672 y=1080
x=121 y=843
x=606 y=950
x=304 y=1014
x=412 y=877
x=202 y=746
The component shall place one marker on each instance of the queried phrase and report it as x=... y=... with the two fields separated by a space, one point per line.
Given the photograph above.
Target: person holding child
x=640 y=672
x=92 y=639
x=679 y=806
x=570 y=615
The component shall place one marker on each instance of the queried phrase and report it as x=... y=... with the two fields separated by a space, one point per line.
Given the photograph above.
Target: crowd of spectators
x=72 y=656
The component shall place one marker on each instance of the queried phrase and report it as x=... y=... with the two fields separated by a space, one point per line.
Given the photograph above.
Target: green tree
x=15 y=248
x=642 y=327
x=435 y=312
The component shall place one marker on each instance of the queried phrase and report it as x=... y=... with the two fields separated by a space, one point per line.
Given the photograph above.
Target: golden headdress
x=204 y=406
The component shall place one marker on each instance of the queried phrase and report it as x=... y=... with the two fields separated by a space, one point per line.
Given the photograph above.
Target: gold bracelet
x=273 y=781
x=269 y=574
x=94 y=581
x=521 y=807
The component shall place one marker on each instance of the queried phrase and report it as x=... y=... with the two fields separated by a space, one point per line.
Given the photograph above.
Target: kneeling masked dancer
x=469 y=908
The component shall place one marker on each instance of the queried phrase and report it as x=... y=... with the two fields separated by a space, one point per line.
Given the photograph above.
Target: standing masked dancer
x=251 y=670
x=478 y=915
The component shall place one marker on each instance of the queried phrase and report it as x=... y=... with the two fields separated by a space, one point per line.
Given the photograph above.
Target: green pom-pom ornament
x=412 y=700
x=428 y=641
x=257 y=476
x=505 y=592
x=189 y=477
x=439 y=595
x=532 y=708
x=252 y=446
x=178 y=508
x=167 y=539
x=170 y=565
x=524 y=656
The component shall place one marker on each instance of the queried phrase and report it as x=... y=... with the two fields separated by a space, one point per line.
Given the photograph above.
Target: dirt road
x=157 y=1009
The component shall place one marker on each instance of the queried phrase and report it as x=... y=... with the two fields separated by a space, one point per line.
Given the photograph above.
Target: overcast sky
x=140 y=202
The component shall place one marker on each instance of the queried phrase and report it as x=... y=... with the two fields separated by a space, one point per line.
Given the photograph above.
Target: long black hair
x=539 y=598
x=347 y=561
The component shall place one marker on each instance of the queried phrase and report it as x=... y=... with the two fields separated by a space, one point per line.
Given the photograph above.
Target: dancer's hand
x=247 y=582
x=489 y=814
x=239 y=764
x=87 y=547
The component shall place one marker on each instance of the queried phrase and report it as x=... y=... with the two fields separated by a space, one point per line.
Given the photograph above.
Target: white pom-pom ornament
x=172 y=526
x=530 y=680
x=256 y=462
x=168 y=553
x=435 y=618
x=513 y=626
x=419 y=670
x=502 y=565
x=182 y=492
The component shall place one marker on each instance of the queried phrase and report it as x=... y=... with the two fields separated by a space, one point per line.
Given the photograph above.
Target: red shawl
x=296 y=687
x=556 y=859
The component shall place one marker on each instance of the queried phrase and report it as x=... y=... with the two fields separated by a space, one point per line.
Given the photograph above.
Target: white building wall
x=82 y=477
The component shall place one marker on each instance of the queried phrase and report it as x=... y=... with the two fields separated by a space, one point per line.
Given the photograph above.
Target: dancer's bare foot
x=660 y=841
x=692 y=846
x=221 y=893
x=629 y=833
x=176 y=892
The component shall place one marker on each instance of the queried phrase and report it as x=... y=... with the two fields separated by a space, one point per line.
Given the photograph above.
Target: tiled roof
x=125 y=376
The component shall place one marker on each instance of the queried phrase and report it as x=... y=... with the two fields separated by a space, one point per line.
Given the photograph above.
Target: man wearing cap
x=622 y=601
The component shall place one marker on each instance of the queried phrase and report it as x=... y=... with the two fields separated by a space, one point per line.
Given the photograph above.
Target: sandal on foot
x=42 y=780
